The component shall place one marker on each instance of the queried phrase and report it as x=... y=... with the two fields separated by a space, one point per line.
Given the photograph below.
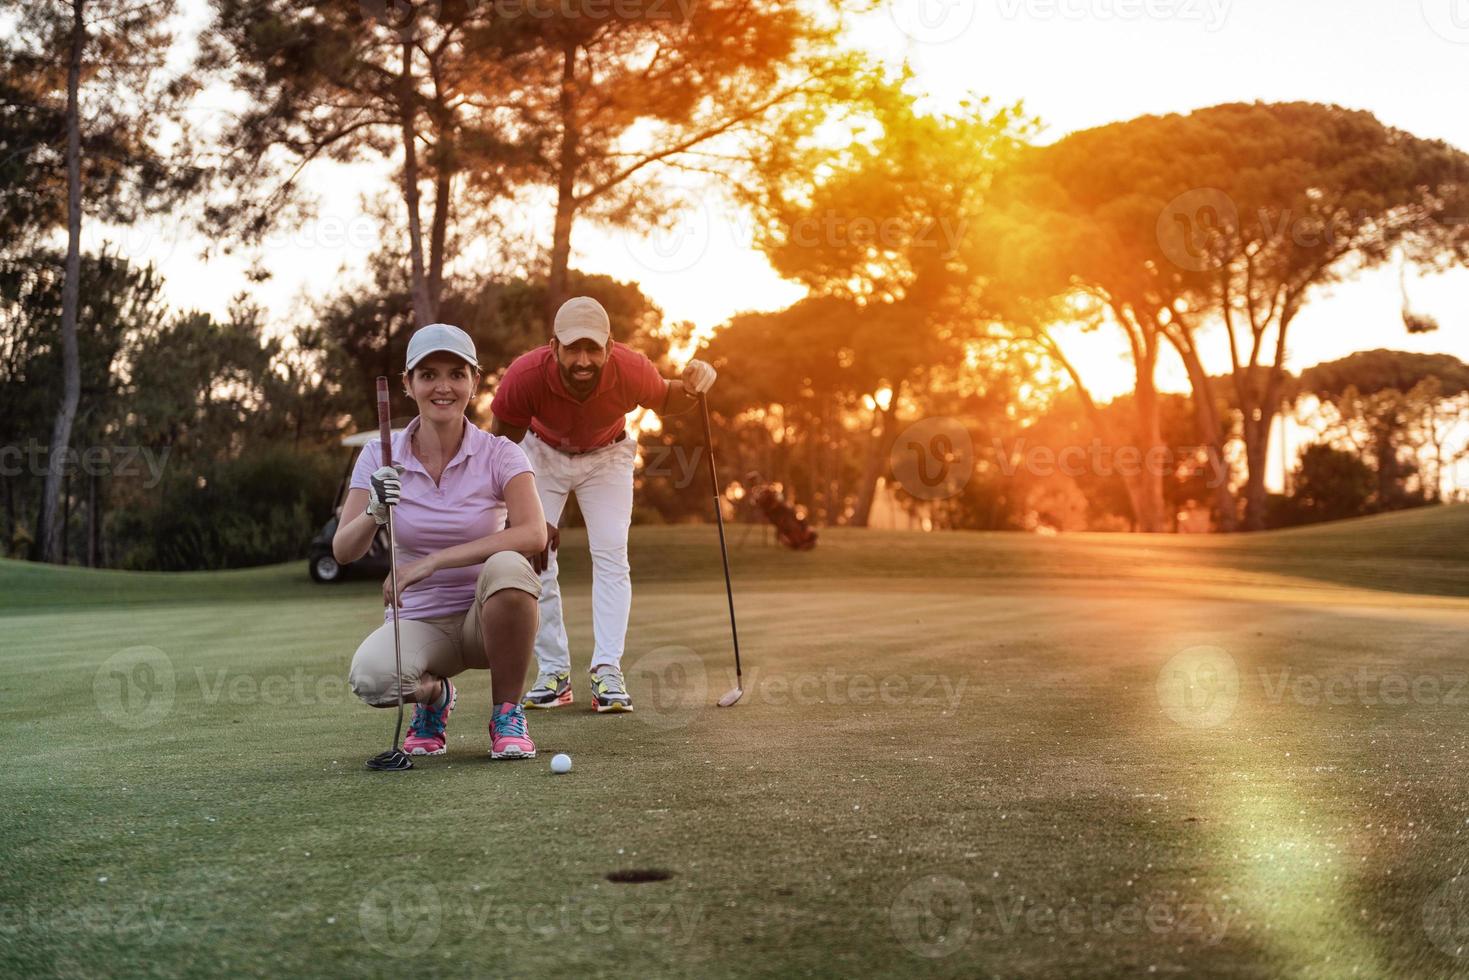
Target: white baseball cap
x=582 y=318
x=440 y=337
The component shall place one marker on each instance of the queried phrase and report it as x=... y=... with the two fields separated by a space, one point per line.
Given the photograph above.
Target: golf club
x=738 y=691
x=394 y=759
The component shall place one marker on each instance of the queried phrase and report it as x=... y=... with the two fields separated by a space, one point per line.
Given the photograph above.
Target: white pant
x=602 y=482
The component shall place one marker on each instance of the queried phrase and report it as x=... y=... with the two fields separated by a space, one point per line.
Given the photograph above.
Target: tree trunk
x=1206 y=418
x=877 y=452
x=52 y=545
x=1099 y=421
x=9 y=513
x=438 y=234
x=65 y=518
x=94 y=519
x=1257 y=446
x=424 y=310
x=565 y=186
x=1149 y=498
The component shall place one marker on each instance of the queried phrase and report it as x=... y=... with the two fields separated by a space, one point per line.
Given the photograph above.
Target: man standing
x=572 y=397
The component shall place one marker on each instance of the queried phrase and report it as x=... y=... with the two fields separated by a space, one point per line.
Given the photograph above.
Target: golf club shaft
x=723 y=548
x=385 y=436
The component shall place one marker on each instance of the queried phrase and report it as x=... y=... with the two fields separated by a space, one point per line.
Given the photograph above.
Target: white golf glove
x=386 y=490
x=698 y=376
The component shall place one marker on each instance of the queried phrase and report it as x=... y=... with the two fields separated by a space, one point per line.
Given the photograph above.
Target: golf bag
x=790 y=528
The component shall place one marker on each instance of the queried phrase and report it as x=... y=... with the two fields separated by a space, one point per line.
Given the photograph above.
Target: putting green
x=957 y=755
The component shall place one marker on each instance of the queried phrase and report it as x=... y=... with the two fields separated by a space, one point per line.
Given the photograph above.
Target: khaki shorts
x=443 y=645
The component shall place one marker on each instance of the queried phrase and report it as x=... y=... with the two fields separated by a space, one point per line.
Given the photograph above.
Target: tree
x=880 y=226
x=444 y=86
x=692 y=84
x=1383 y=402
x=114 y=48
x=1330 y=484
x=1299 y=196
x=1066 y=243
x=118 y=302
x=1230 y=217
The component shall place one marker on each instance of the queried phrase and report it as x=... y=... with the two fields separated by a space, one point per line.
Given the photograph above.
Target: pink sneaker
x=508 y=736
x=426 y=732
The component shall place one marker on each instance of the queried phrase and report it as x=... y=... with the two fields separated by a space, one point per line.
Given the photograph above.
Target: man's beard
x=572 y=384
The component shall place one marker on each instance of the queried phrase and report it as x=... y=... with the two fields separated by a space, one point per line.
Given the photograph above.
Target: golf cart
x=323 y=566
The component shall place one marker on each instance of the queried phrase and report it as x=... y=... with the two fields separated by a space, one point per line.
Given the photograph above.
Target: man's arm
x=678 y=400
x=500 y=427
x=683 y=392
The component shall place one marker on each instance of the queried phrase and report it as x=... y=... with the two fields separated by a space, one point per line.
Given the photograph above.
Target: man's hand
x=385 y=491
x=408 y=575
x=542 y=561
x=698 y=377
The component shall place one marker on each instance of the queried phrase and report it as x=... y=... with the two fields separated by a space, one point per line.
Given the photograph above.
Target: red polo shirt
x=532 y=394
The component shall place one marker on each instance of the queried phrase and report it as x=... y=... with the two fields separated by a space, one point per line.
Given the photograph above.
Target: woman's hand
x=408 y=575
x=541 y=560
x=386 y=490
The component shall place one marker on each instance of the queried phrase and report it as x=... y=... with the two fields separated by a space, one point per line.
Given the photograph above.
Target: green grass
x=950 y=744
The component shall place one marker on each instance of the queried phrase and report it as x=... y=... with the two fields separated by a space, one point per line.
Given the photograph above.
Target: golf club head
x=393 y=760
x=729 y=700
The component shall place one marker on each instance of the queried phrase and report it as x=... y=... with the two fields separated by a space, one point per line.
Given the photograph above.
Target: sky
x=1075 y=63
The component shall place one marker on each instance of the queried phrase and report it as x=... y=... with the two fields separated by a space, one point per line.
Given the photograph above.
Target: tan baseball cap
x=582 y=318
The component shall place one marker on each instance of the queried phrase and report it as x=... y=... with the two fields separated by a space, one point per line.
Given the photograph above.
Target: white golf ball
x=560 y=762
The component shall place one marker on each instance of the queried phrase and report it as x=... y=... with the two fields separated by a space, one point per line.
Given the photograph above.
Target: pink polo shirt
x=468 y=503
x=532 y=394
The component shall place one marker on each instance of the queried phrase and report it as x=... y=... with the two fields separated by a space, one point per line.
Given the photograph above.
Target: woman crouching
x=465 y=515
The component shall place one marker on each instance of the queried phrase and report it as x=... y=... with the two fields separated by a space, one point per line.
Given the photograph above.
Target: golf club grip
x=385 y=421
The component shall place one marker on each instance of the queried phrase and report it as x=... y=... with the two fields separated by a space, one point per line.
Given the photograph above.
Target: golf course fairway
x=957 y=755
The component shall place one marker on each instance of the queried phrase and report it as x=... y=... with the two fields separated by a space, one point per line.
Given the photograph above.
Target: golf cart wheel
x=324 y=569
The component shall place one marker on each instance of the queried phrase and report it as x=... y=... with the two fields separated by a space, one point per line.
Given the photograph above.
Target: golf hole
x=637 y=876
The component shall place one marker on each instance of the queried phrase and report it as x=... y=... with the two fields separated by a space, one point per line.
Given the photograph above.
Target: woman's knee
x=374 y=686
x=372 y=675
x=507 y=570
